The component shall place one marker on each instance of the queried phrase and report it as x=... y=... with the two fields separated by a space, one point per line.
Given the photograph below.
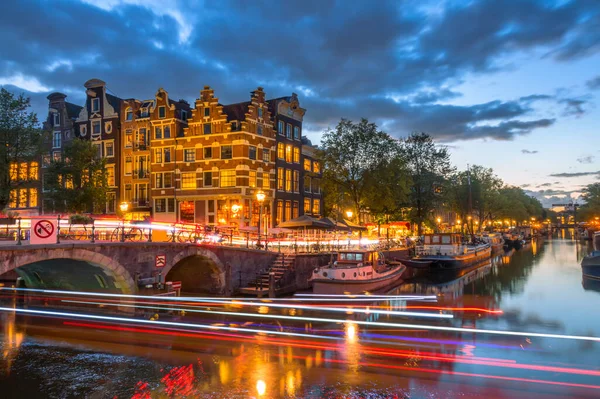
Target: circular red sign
x=43 y=229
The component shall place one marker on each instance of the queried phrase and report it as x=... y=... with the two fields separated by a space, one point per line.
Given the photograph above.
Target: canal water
x=537 y=290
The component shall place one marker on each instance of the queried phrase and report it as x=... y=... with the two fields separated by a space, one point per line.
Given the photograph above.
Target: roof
x=114 y=101
x=273 y=103
x=236 y=112
x=72 y=109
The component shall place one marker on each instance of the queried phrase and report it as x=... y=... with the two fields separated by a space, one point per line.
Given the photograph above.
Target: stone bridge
x=123 y=267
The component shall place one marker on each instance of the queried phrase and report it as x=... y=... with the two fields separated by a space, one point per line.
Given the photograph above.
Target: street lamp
x=124 y=206
x=350 y=213
x=260 y=197
x=439 y=222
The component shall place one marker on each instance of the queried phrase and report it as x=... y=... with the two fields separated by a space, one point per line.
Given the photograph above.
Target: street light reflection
x=261 y=387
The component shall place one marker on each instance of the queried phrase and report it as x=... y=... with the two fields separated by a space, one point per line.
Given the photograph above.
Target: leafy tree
x=78 y=182
x=429 y=167
x=591 y=209
x=354 y=156
x=20 y=139
x=388 y=185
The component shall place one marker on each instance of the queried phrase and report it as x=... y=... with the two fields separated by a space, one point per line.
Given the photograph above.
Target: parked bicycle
x=131 y=233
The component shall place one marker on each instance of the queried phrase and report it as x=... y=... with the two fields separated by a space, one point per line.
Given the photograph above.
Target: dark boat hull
x=450 y=262
x=590 y=266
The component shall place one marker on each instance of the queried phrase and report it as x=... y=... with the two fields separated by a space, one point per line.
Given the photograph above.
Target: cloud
x=545 y=185
x=573 y=106
x=529 y=151
x=586 y=160
x=594 y=83
x=575 y=174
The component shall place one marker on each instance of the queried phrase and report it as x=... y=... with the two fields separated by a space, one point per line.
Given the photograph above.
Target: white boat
x=356 y=272
x=448 y=251
x=495 y=240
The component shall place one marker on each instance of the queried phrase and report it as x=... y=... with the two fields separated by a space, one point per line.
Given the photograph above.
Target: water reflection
x=12 y=339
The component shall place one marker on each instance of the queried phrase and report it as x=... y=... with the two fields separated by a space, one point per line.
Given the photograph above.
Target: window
x=142 y=191
x=96 y=127
x=167 y=132
x=307 y=205
x=259 y=130
x=266 y=181
x=207 y=152
x=141 y=138
x=12 y=201
x=162 y=112
x=295 y=210
x=158 y=133
x=307 y=164
x=82 y=130
x=167 y=154
x=266 y=155
x=260 y=112
x=160 y=205
x=56 y=156
x=33 y=197
x=316 y=186
x=188 y=180
x=98 y=149
x=158 y=155
x=46 y=159
x=316 y=209
x=252 y=179
x=296 y=155
x=252 y=152
x=206 y=111
x=280 y=179
x=110 y=175
x=95 y=105
x=144 y=112
x=296 y=181
x=56 y=118
x=288 y=210
x=228 y=178
x=171 y=205
x=183 y=115
x=307 y=184
x=14 y=171
x=189 y=154
x=33 y=171
x=296 y=133
x=280 y=128
x=56 y=140
x=288 y=180
x=128 y=138
x=207 y=179
x=128 y=164
x=207 y=129
x=23 y=198
x=158 y=183
x=279 y=212
x=168 y=179
x=288 y=131
x=316 y=167
x=128 y=114
x=234 y=126
x=23 y=171
x=226 y=152
x=128 y=192
x=288 y=153
x=109 y=149
x=280 y=150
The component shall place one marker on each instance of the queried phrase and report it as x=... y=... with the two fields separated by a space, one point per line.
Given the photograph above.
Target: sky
x=512 y=84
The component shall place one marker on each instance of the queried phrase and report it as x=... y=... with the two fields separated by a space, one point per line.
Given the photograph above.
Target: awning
x=304 y=221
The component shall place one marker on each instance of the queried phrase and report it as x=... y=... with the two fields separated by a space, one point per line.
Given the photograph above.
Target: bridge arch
x=199 y=269
x=123 y=279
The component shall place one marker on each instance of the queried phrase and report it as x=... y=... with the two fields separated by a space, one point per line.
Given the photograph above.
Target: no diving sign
x=43 y=232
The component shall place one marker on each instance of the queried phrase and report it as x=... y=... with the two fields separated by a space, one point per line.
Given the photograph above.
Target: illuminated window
x=189 y=154
x=128 y=164
x=158 y=155
x=288 y=153
x=168 y=179
x=14 y=172
x=128 y=138
x=266 y=155
x=279 y=212
x=228 y=178
x=188 y=180
x=296 y=181
x=226 y=152
x=160 y=205
x=252 y=179
x=296 y=155
x=95 y=105
x=33 y=171
x=12 y=201
x=129 y=114
x=307 y=164
x=288 y=210
x=280 y=151
x=110 y=176
x=288 y=180
x=296 y=133
x=158 y=183
x=252 y=152
x=316 y=209
x=295 y=210
x=162 y=111
x=280 y=128
x=280 y=179
x=69 y=181
x=266 y=181
x=23 y=171
x=307 y=205
x=23 y=198
x=316 y=167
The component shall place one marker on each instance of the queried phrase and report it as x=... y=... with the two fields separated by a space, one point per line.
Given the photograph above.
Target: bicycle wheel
x=183 y=236
x=135 y=234
x=116 y=234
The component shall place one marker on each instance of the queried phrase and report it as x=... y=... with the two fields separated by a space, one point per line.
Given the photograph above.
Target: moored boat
x=590 y=266
x=448 y=251
x=355 y=272
x=495 y=240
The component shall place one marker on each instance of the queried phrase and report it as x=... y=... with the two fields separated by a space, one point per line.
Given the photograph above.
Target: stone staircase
x=280 y=266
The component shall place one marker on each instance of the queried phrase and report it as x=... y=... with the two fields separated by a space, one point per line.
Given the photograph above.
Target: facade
x=312 y=201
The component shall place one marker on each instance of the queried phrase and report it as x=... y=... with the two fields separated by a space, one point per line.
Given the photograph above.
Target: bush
x=81 y=219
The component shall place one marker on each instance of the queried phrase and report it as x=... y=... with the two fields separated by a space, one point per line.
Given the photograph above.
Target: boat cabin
x=360 y=257
x=442 y=239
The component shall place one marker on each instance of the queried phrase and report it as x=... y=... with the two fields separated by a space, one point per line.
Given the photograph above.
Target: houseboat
x=590 y=266
x=495 y=240
x=448 y=251
x=356 y=272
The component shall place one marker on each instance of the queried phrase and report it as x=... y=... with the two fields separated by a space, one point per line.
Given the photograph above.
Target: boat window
x=351 y=256
x=427 y=239
x=446 y=239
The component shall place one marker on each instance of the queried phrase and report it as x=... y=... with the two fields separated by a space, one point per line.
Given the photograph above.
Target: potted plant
x=8 y=217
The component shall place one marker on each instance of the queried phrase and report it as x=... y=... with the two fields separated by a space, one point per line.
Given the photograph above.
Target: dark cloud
x=575 y=174
x=545 y=185
x=529 y=151
x=586 y=160
x=594 y=84
x=344 y=59
x=548 y=197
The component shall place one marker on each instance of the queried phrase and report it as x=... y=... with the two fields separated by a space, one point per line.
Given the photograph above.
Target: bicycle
x=131 y=234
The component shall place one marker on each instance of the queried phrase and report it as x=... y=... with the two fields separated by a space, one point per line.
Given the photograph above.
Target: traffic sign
x=43 y=232
x=160 y=261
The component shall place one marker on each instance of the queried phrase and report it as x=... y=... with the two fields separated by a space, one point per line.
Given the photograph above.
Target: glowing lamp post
x=124 y=206
x=350 y=213
x=260 y=197
x=439 y=223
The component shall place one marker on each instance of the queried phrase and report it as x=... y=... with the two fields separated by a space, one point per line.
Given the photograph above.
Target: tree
x=429 y=167
x=20 y=139
x=591 y=209
x=353 y=156
x=387 y=186
x=79 y=181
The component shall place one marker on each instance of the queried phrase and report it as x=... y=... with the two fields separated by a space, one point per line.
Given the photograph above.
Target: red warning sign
x=43 y=229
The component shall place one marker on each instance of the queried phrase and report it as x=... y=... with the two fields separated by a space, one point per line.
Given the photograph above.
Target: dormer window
x=162 y=112
x=56 y=117
x=129 y=114
x=145 y=109
x=95 y=105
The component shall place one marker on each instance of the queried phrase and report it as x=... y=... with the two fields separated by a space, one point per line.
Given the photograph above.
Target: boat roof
x=362 y=251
